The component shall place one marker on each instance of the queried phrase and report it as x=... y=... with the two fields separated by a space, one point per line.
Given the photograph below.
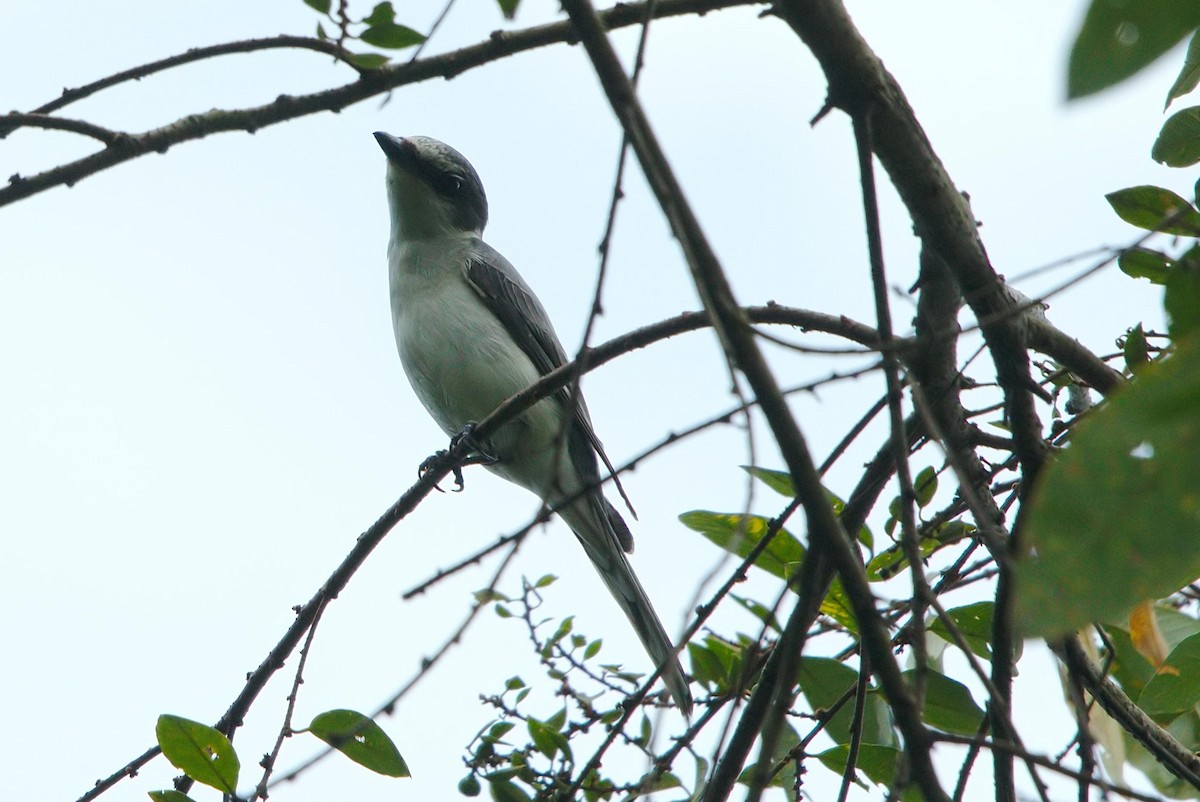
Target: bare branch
x=369 y=84
x=15 y=119
x=825 y=532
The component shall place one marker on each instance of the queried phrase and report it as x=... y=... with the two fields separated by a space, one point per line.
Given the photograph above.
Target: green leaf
x=367 y=61
x=1155 y=209
x=719 y=664
x=558 y=720
x=1189 y=76
x=508 y=8
x=489 y=595
x=1145 y=263
x=321 y=6
x=759 y=611
x=706 y=667
x=362 y=740
x=877 y=762
x=564 y=629
x=499 y=730
x=1119 y=38
x=974 y=623
x=949 y=706
x=391 y=36
x=199 y=751
x=592 y=649
x=1136 y=349
x=545 y=581
x=925 y=485
x=169 y=796
x=1175 y=688
x=1182 y=300
x=1178 y=142
x=779 y=481
x=382 y=14
x=662 y=782
x=507 y=791
x=786 y=777
x=893 y=560
x=548 y=739
x=824 y=681
x=1113 y=520
x=738 y=534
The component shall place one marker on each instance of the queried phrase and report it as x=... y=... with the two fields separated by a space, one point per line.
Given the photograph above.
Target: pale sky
x=203 y=406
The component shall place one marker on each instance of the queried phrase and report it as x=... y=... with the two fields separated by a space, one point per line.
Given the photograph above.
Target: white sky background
x=202 y=406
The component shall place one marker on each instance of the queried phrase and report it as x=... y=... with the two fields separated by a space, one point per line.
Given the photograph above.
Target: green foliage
x=199 y=751
x=1145 y=263
x=1119 y=38
x=973 y=622
x=1155 y=209
x=362 y=740
x=828 y=685
x=527 y=755
x=378 y=29
x=1178 y=143
x=1113 y=518
x=739 y=534
x=508 y=8
x=1136 y=349
x=1135 y=673
x=169 y=796
x=1175 y=687
x=725 y=667
x=1189 y=76
x=949 y=705
x=754 y=774
x=875 y=761
x=383 y=30
x=1182 y=297
x=781 y=483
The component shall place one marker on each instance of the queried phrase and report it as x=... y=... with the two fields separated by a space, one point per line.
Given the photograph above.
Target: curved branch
x=191 y=55
x=859 y=82
x=369 y=84
x=1174 y=756
x=15 y=119
x=828 y=539
x=438 y=469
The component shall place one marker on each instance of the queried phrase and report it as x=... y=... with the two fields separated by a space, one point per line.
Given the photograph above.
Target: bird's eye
x=450 y=183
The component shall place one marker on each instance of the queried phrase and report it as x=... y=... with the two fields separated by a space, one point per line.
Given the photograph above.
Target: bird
x=471 y=333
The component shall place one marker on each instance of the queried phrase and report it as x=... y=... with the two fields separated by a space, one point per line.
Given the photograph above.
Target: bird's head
x=432 y=189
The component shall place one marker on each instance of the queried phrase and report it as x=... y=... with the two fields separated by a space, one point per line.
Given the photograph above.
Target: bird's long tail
x=603 y=547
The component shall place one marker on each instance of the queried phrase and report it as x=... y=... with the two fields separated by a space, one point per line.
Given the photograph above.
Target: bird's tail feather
x=614 y=568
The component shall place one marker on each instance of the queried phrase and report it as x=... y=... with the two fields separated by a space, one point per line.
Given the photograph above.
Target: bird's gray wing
x=511 y=300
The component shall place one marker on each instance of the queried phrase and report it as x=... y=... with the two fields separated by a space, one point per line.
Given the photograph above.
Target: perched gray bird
x=471 y=334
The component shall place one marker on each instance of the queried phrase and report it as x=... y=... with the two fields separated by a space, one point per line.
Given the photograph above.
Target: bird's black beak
x=395 y=148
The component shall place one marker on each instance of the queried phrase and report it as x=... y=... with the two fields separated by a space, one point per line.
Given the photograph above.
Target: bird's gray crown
x=446 y=171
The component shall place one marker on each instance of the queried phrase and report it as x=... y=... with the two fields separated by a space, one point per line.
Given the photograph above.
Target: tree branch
x=369 y=84
x=438 y=469
x=825 y=533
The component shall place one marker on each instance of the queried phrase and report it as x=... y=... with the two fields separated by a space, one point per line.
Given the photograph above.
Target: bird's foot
x=477 y=455
x=430 y=462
